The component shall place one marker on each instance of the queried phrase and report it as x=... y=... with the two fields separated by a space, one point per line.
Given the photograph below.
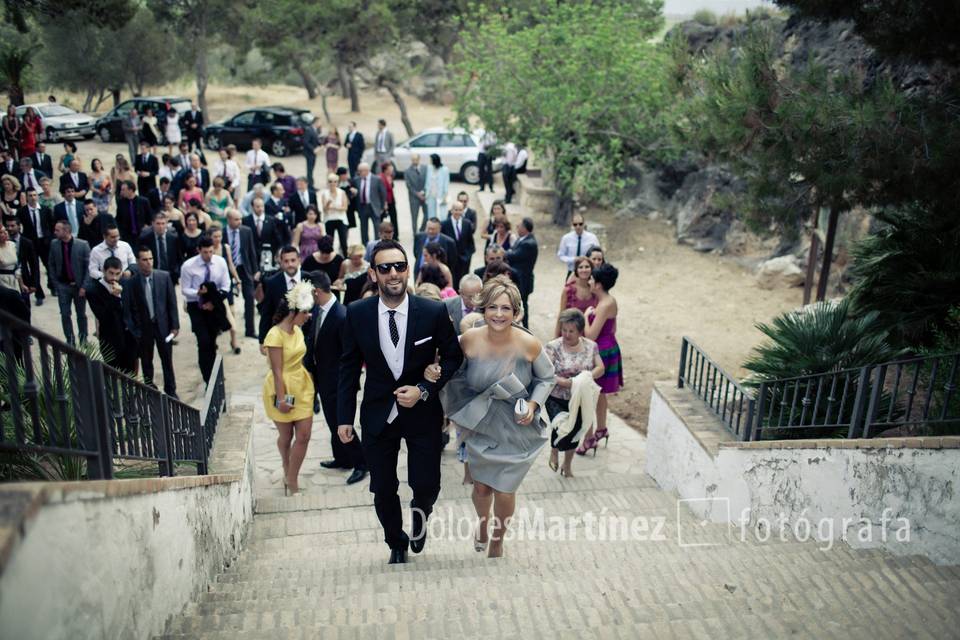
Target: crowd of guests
x=124 y=240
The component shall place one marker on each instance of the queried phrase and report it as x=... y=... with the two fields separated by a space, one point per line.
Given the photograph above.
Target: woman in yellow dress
x=288 y=389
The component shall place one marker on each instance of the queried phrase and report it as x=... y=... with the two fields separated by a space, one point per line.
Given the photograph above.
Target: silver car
x=61 y=122
x=457 y=148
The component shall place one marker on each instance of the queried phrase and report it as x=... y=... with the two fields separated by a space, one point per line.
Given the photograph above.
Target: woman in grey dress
x=503 y=363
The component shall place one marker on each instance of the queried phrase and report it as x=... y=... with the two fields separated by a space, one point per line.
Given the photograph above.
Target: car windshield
x=53 y=110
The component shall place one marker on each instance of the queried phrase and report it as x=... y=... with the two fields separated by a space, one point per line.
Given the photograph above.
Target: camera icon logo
x=694 y=531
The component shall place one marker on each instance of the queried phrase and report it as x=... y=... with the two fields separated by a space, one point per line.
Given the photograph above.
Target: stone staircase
x=315 y=567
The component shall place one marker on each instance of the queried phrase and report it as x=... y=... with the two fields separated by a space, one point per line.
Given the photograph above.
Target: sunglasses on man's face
x=385 y=267
x=578 y=224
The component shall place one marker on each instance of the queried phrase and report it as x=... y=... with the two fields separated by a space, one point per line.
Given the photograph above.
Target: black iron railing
x=58 y=403
x=732 y=403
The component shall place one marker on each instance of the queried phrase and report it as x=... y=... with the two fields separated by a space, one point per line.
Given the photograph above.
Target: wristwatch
x=424 y=394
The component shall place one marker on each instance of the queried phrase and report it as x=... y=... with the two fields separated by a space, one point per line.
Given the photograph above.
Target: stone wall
x=898 y=494
x=118 y=558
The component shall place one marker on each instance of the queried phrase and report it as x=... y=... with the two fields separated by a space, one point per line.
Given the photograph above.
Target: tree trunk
x=201 y=61
x=344 y=80
x=115 y=94
x=401 y=103
x=564 y=209
x=15 y=94
x=812 y=258
x=354 y=96
x=88 y=101
x=323 y=105
x=100 y=99
x=827 y=254
x=309 y=83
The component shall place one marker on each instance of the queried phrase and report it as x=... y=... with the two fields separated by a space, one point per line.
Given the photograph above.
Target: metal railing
x=914 y=396
x=721 y=392
x=58 y=402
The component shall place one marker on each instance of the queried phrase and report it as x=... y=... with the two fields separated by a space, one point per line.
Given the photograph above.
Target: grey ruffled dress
x=480 y=398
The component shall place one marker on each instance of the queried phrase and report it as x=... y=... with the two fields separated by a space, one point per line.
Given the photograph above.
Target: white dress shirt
x=521 y=158
x=256 y=159
x=228 y=169
x=393 y=354
x=510 y=154
x=294 y=279
x=192 y=274
x=100 y=253
x=568 y=247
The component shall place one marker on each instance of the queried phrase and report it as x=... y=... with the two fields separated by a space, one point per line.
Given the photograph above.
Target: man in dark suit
x=277 y=285
x=432 y=234
x=193 y=121
x=396 y=335
x=157 y=195
x=150 y=314
x=522 y=256
x=26 y=257
x=266 y=234
x=133 y=213
x=311 y=146
x=76 y=179
x=42 y=160
x=69 y=262
x=199 y=172
x=461 y=230
x=415 y=177
x=371 y=196
x=105 y=299
x=355 y=147
x=147 y=166
x=36 y=224
x=495 y=253
x=163 y=244
x=243 y=250
x=29 y=176
x=322 y=333
x=303 y=197
x=468 y=213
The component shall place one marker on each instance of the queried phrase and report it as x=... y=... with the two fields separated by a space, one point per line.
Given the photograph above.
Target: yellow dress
x=296 y=378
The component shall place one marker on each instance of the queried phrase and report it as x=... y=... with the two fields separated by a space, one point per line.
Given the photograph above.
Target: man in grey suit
x=68 y=264
x=415 y=177
x=150 y=314
x=461 y=305
x=371 y=195
x=311 y=144
x=382 y=146
x=243 y=250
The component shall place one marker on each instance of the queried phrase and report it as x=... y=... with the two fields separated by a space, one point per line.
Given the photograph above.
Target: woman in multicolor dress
x=602 y=328
x=577 y=292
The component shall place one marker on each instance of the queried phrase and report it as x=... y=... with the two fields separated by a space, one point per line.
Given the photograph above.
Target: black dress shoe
x=398 y=556
x=357 y=476
x=333 y=464
x=251 y=335
x=418 y=533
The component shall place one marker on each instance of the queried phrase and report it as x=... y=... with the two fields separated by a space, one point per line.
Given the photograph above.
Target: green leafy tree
x=108 y=13
x=579 y=83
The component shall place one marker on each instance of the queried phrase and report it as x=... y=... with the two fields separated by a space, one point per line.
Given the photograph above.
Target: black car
x=279 y=128
x=110 y=126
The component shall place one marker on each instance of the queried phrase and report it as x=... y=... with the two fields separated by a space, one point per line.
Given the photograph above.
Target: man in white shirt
x=111 y=247
x=203 y=279
x=576 y=242
x=258 y=164
x=382 y=146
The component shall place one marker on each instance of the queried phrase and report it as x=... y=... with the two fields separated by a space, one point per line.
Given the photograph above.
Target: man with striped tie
x=243 y=250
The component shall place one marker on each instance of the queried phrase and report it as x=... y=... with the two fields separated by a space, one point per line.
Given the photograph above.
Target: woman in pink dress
x=577 y=292
x=602 y=328
x=332 y=144
x=307 y=234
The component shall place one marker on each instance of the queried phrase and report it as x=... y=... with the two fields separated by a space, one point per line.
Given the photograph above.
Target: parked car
x=61 y=122
x=457 y=148
x=279 y=128
x=110 y=125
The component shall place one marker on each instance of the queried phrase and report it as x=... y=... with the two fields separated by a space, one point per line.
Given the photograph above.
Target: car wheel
x=279 y=148
x=104 y=134
x=51 y=134
x=213 y=142
x=470 y=173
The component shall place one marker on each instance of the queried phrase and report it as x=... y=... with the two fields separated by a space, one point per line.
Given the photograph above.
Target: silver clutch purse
x=521 y=408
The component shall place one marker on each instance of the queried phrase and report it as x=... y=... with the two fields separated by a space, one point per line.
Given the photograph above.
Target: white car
x=61 y=122
x=457 y=148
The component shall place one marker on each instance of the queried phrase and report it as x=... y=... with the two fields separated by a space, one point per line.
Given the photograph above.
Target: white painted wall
x=96 y=567
x=854 y=495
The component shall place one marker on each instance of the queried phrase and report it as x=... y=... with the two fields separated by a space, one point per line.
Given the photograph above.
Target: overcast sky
x=720 y=7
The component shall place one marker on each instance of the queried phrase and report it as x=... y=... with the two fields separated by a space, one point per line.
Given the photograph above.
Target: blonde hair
x=429 y=291
x=356 y=248
x=496 y=287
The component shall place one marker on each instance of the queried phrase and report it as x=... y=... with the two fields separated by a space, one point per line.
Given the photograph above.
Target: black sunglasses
x=384 y=268
x=578 y=224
